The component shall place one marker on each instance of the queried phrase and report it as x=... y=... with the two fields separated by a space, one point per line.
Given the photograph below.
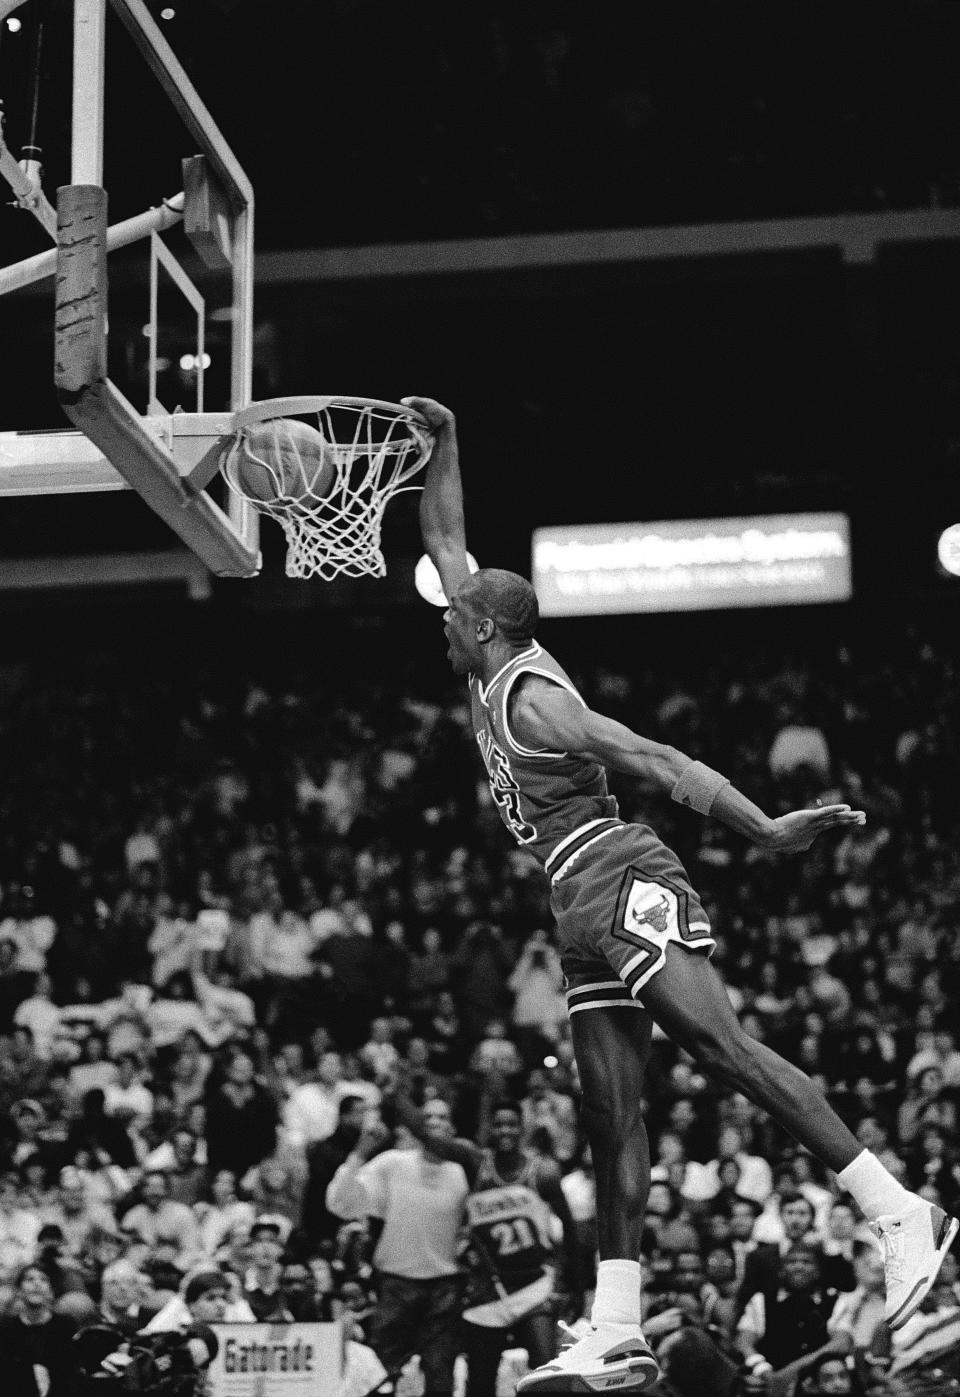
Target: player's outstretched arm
x=441 y=504
x=545 y=715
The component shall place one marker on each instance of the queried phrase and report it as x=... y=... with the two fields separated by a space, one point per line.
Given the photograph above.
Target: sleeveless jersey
x=543 y=797
x=510 y=1226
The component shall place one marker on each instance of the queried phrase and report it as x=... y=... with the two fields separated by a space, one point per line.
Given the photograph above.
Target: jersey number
x=506 y=793
x=513 y=1236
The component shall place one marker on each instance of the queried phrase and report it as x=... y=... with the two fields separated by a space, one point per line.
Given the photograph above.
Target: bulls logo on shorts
x=651 y=913
x=650 y=908
x=617 y=913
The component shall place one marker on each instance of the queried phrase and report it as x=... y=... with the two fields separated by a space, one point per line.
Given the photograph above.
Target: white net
x=329 y=498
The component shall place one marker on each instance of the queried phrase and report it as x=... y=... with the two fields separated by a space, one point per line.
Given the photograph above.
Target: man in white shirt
x=415 y=1201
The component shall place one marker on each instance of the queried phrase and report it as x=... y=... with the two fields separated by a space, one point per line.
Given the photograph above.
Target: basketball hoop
x=331 y=505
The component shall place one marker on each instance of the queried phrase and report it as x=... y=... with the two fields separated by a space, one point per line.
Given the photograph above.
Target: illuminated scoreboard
x=692 y=564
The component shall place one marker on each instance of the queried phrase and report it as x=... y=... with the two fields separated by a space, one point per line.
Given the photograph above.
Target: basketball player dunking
x=634 y=938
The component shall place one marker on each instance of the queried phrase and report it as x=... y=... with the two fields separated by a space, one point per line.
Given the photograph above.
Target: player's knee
x=612 y=1117
x=604 y=1119
x=599 y=1119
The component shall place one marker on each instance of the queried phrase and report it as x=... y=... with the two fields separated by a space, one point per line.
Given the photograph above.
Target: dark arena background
x=681 y=271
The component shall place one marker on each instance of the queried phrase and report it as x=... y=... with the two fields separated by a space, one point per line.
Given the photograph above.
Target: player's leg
x=537 y=1333
x=482 y=1348
x=611 y=1045
x=688 y=1000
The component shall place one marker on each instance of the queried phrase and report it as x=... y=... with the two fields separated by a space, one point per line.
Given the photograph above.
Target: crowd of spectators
x=233 y=910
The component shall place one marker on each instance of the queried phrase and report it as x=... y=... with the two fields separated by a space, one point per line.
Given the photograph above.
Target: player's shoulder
x=533 y=687
x=543 y=700
x=537 y=665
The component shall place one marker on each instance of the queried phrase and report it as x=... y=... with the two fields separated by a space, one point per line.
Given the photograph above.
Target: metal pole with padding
x=80 y=332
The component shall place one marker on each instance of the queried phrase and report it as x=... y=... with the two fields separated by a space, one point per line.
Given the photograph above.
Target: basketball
x=284 y=458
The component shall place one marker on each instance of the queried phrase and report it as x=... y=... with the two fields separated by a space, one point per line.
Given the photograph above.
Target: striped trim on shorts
x=599 y=994
x=567 y=852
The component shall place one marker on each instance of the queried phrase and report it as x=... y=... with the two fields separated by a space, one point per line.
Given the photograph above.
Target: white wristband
x=698 y=787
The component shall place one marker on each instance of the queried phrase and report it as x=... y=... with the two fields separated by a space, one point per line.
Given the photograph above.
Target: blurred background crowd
x=235 y=910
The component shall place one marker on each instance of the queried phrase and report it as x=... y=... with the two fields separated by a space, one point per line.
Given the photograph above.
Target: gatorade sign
x=277 y=1360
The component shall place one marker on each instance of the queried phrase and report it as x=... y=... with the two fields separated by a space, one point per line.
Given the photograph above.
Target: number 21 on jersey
x=513 y=1235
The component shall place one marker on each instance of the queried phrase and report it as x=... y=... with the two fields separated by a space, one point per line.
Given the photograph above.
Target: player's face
x=460 y=628
x=505 y=1131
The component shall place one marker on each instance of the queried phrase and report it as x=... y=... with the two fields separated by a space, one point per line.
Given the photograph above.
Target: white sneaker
x=913 y=1245
x=606 y=1356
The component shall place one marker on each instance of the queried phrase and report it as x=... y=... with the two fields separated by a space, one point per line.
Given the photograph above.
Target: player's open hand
x=795 y=832
x=436 y=414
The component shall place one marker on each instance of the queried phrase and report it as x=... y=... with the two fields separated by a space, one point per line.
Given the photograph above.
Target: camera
x=170 y=1364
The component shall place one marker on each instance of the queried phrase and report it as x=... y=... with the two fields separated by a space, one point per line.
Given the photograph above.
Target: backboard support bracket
x=101 y=411
x=169 y=459
x=207 y=214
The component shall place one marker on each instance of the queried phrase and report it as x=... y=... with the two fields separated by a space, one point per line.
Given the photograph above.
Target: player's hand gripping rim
x=796 y=831
x=437 y=416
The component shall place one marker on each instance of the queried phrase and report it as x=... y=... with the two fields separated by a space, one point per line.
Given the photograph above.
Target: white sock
x=617 y=1299
x=873 y=1187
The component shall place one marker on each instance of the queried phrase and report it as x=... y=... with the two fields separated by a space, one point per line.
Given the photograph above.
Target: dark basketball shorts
x=620 y=897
